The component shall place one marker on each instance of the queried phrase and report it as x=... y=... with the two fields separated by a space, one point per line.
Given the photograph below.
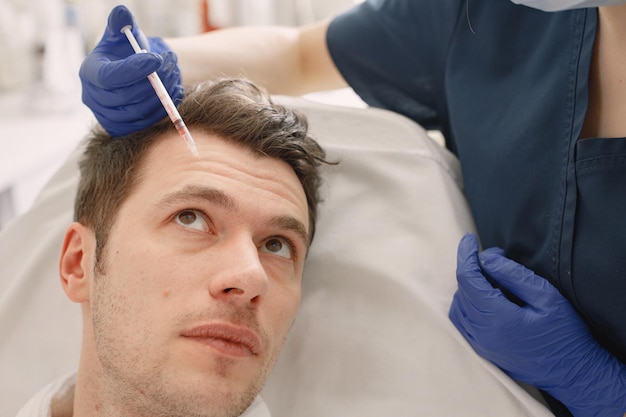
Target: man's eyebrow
x=198 y=192
x=293 y=224
x=215 y=196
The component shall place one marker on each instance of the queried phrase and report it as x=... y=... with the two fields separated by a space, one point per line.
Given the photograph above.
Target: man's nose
x=241 y=278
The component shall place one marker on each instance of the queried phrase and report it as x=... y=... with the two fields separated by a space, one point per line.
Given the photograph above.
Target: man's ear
x=77 y=264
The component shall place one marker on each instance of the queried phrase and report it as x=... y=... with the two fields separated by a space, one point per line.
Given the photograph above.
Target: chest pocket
x=598 y=259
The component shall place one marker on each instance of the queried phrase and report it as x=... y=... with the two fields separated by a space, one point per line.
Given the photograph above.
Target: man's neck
x=62 y=404
x=88 y=394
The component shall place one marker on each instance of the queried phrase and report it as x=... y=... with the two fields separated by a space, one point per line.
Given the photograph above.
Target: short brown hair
x=235 y=110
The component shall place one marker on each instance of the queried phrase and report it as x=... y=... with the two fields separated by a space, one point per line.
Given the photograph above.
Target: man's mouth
x=228 y=339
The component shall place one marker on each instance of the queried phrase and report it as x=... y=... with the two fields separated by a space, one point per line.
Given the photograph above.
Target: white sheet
x=372 y=337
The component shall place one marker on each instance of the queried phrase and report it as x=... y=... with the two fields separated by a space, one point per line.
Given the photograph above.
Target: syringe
x=163 y=95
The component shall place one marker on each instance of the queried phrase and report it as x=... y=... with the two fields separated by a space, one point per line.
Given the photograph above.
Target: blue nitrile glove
x=114 y=81
x=543 y=343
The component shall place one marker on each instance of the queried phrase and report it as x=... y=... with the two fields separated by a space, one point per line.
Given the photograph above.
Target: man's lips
x=226 y=338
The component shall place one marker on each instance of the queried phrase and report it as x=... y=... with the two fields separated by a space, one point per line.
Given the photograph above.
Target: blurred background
x=43 y=42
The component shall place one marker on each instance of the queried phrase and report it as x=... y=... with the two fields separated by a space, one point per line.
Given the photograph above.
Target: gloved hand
x=114 y=78
x=543 y=343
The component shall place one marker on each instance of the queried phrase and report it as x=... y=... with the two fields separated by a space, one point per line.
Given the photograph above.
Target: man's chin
x=213 y=397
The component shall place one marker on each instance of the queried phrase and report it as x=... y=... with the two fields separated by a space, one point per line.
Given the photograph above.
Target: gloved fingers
x=169 y=73
x=489 y=340
x=459 y=319
x=119 y=18
x=494 y=250
x=169 y=67
x=126 y=112
x=152 y=111
x=478 y=298
x=158 y=45
x=519 y=280
x=125 y=88
x=483 y=305
x=467 y=257
x=123 y=96
x=468 y=274
x=176 y=93
x=114 y=77
x=118 y=128
x=468 y=247
x=104 y=73
x=465 y=325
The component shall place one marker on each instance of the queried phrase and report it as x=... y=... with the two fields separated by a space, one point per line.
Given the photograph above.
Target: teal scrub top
x=508 y=87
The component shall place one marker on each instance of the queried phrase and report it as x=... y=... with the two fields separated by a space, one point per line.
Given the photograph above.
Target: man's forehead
x=171 y=168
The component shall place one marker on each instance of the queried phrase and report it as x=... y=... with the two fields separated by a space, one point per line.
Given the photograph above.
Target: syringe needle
x=164 y=96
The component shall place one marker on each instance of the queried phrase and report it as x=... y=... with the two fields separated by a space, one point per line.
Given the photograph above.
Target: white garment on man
x=57 y=400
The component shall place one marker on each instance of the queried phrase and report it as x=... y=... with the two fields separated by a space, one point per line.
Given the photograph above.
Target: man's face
x=201 y=279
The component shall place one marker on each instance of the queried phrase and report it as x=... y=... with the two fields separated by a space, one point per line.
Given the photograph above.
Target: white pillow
x=372 y=337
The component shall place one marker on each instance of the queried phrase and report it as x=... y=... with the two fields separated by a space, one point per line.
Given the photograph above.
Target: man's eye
x=278 y=246
x=192 y=219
